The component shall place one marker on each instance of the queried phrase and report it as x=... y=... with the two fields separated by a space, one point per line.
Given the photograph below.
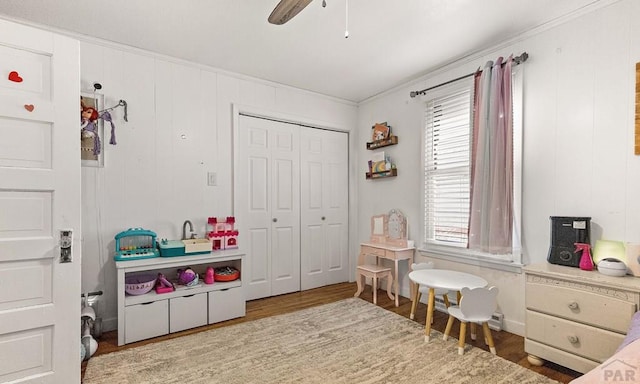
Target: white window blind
x=447 y=168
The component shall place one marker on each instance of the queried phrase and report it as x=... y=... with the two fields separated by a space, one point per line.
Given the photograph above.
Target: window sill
x=461 y=257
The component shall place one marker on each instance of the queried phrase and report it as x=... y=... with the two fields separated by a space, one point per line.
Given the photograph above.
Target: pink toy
x=223 y=235
x=231 y=239
x=163 y=285
x=586 y=263
x=187 y=277
x=208 y=277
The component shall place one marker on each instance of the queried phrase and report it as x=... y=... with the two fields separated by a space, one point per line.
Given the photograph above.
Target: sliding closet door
x=324 y=207
x=268 y=199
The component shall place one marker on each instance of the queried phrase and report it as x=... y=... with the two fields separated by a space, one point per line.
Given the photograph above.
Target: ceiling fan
x=286 y=10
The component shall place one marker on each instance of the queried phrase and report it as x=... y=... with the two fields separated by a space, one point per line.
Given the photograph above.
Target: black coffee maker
x=565 y=232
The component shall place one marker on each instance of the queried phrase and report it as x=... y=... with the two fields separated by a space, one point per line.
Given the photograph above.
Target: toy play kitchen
x=171 y=248
x=140 y=243
x=167 y=286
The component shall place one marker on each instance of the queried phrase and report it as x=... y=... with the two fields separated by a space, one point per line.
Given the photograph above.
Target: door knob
x=275 y=220
x=323 y=217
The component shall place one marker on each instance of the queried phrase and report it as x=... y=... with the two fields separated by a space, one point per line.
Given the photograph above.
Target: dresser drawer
x=372 y=251
x=226 y=304
x=566 y=359
x=584 y=306
x=187 y=312
x=147 y=320
x=578 y=339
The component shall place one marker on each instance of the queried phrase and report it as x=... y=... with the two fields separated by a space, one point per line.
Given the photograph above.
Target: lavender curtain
x=490 y=219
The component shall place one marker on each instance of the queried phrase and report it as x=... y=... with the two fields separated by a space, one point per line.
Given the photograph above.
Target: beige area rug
x=350 y=341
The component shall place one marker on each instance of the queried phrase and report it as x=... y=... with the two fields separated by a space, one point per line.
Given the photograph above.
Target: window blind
x=447 y=168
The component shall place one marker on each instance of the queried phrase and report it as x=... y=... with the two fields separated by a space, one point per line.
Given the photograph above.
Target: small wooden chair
x=375 y=272
x=476 y=306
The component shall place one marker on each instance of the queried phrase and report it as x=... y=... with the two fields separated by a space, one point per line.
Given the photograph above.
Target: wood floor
x=508 y=346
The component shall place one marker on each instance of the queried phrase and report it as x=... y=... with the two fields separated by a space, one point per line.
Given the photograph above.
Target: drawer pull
x=573 y=339
x=573 y=305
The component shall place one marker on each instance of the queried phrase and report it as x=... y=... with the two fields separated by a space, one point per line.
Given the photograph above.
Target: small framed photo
x=380 y=131
x=91 y=130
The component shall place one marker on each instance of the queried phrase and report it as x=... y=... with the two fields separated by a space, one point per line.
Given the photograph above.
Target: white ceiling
x=390 y=41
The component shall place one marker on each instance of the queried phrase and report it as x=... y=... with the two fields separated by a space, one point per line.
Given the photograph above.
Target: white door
x=39 y=195
x=324 y=197
x=268 y=205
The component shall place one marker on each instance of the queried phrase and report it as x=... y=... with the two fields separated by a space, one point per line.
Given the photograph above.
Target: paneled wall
x=179 y=129
x=579 y=89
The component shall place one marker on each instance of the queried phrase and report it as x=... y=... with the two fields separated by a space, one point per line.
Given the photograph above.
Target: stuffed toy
x=187 y=277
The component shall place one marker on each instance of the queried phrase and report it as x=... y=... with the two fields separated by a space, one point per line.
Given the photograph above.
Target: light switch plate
x=212 y=179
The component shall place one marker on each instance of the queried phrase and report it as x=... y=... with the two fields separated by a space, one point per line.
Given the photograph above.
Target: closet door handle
x=275 y=219
x=323 y=217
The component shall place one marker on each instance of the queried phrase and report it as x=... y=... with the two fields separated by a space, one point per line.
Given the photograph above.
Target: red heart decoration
x=29 y=107
x=13 y=76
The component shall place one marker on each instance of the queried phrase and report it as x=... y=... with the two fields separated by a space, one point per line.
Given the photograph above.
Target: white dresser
x=150 y=315
x=576 y=318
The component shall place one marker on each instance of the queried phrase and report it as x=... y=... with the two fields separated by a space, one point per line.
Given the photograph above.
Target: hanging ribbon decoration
x=106 y=116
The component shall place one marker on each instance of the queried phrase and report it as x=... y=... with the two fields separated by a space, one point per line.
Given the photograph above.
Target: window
x=447 y=172
x=447 y=168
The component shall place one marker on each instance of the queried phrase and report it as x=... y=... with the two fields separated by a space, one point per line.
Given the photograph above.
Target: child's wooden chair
x=476 y=306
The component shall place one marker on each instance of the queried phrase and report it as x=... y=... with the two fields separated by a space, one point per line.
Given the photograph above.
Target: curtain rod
x=517 y=60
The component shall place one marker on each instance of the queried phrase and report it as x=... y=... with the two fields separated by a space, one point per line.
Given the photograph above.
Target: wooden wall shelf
x=379 y=175
x=391 y=140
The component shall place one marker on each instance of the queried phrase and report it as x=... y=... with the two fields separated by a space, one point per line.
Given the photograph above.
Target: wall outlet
x=212 y=179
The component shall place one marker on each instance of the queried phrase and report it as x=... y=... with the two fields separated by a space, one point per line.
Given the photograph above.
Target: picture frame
x=91 y=130
x=380 y=131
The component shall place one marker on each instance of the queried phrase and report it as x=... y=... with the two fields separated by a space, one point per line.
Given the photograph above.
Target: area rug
x=349 y=341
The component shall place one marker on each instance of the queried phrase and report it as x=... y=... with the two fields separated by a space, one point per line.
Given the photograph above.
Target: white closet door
x=39 y=196
x=268 y=199
x=324 y=207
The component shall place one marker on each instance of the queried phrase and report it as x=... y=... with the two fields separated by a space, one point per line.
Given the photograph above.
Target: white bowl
x=612 y=267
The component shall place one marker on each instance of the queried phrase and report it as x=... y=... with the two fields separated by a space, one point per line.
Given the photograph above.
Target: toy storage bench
x=149 y=315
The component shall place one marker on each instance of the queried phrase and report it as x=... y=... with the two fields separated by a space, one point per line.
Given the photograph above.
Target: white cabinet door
x=146 y=320
x=39 y=196
x=324 y=200
x=187 y=312
x=268 y=205
x=226 y=304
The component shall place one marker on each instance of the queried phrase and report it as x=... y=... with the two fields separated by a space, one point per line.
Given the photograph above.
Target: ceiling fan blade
x=286 y=10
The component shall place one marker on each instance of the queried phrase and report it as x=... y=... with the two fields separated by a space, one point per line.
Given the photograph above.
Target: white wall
x=579 y=92
x=155 y=179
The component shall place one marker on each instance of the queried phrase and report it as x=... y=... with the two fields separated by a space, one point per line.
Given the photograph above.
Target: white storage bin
x=147 y=320
x=226 y=304
x=187 y=312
